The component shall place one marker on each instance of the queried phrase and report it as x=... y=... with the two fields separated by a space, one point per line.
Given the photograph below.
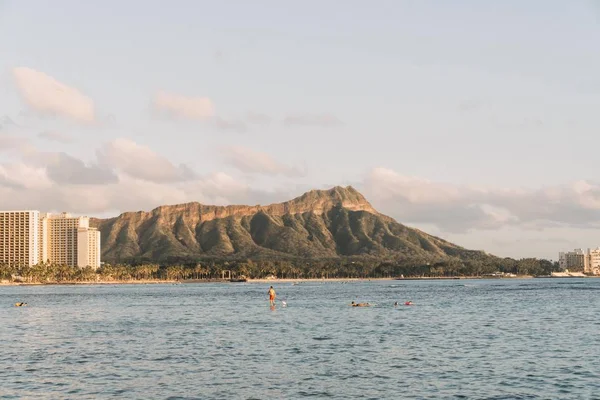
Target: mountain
x=319 y=224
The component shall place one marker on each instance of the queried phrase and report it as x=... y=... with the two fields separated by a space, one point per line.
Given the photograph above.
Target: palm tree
x=152 y=269
x=174 y=272
x=6 y=271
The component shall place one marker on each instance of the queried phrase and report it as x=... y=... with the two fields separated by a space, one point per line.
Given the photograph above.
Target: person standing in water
x=272 y=296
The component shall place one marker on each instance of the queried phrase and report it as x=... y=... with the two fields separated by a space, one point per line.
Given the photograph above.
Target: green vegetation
x=211 y=269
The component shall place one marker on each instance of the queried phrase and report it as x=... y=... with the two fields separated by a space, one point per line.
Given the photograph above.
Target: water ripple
x=508 y=339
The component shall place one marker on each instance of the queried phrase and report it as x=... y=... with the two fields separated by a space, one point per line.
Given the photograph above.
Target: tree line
x=181 y=268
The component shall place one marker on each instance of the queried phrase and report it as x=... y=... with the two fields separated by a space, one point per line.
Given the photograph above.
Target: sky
x=474 y=121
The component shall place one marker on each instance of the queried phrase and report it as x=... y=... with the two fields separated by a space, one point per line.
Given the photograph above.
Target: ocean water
x=468 y=339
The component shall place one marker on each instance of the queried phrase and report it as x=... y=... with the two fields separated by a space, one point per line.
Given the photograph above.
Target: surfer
x=272 y=296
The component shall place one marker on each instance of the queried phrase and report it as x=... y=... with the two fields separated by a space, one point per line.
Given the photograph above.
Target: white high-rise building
x=88 y=243
x=43 y=255
x=28 y=237
x=19 y=237
x=59 y=241
x=572 y=260
x=592 y=261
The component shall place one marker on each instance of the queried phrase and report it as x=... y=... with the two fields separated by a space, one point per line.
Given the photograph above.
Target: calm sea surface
x=480 y=339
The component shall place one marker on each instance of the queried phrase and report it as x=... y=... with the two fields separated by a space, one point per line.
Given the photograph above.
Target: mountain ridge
x=329 y=223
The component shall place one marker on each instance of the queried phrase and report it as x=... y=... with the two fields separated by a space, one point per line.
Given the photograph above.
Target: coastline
x=275 y=281
x=129 y=282
x=415 y=278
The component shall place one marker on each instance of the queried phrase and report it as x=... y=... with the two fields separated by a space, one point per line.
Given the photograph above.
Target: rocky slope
x=318 y=224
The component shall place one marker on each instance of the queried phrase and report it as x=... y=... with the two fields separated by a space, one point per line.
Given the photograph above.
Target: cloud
x=7 y=121
x=460 y=208
x=254 y=162
x=55 y=136
x=258 y=118
x=237 y=125
x=196 y=108
x=22 y=176
x=46 y=95
x=219 y=56
x=11 y=142
x=65 y=169
x=141 y=162
x=230 y=125
x=125 y=177
x=127 y=194
x=321 y=120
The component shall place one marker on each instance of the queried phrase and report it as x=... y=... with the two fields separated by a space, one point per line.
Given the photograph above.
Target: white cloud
x=11 y=142
x=65 y=169
x=49 y=96
x=458 y=208
x=56 y=136
x=321 y=120
x=230 y=125
x=182 y=106
x=125 y=176
x=258 y=118
x=24 y=187
x=21 y=176
x=141 y=162
x=7 y=121
x=254 y=162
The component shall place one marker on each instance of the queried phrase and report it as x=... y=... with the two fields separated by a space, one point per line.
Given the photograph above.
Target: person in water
x=408 y=303
x=20 y=304
x=272 y=296
x=360 y=304
x=396 y=304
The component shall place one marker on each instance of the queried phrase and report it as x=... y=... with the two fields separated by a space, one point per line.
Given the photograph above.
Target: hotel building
x=572 y=260
x=19 y=238
x=88 y=247
x=59 y=241
x=52 y=238
x=592 y=261
x=580 y=261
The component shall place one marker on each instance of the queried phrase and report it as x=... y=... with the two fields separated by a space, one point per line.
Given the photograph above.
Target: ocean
x=461 y=339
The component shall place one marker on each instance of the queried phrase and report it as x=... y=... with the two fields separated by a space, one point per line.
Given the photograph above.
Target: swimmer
x=360 y=304
x=396 y=304
x=408 y=303
x=272 y=296
x=20 y=304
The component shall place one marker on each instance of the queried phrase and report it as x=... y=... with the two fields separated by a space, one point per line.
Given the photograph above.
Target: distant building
x=28 y=237
x=592 y=264
x=88 y=242
x=572 y=260
x=59 y=240
x=19 y=238
x=43 y=255
x=580 y=261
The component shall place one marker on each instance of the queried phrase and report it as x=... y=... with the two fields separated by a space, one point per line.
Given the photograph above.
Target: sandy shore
x=290 y=280
x=130 y=282
x=265 y=281
x=415 y=278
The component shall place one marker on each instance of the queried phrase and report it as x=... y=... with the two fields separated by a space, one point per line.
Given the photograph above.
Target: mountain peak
x=320 y=201
x=325 y=223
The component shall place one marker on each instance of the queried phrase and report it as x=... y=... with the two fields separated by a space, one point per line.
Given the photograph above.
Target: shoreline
x=276 y=281
x=130 y=282
x=415 y=278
